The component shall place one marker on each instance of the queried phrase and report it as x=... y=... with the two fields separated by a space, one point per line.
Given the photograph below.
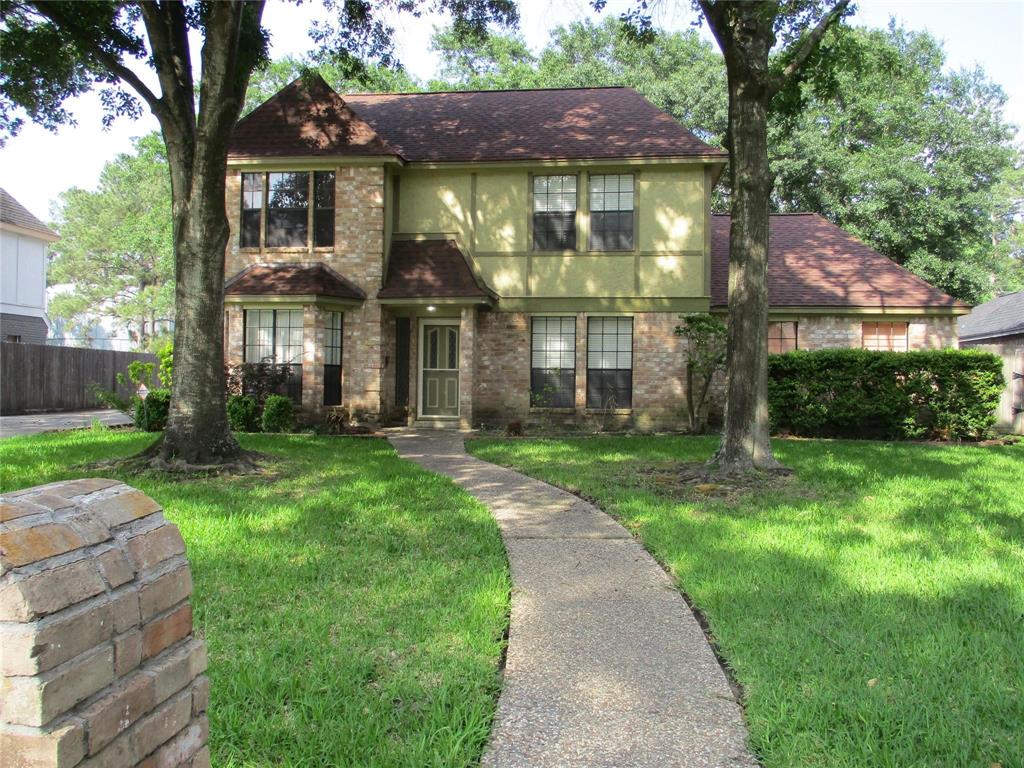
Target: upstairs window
x=252 y=209
x=554 y=213
x=782 y=337
x=611 y=212
x=553 y=362
x=323 y=214
x=884 y=337
x=288 y=210
x=282 y=200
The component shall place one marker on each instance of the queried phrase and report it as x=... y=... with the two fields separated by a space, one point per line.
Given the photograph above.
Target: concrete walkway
x=34 y=423
x=606 y=665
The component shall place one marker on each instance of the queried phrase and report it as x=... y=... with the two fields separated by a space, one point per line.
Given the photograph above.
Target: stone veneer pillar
x=99 y=664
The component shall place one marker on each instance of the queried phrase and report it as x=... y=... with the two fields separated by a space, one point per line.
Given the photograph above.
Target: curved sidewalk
x=606 y=663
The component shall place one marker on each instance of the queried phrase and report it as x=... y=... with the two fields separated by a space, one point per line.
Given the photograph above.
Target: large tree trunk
x=197 y=428
x=197 y=146
x=745 y=443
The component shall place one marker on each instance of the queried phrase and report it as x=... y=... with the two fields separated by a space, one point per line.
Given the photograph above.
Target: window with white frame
x=609 y=362
x=611 y=212
x=554 y=213
x=553 y=362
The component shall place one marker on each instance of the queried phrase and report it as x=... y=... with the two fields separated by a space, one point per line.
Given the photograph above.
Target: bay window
x=274 y=336
x=332 y=359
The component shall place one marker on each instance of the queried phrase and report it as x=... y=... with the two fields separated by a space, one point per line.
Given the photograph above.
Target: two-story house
x=470 y=257
x=24 y=241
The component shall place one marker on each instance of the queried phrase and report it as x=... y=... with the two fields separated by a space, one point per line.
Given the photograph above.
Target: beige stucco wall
x=489 y=211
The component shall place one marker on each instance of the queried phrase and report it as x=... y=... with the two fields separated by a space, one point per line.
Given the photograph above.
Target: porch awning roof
x=421 y=270
x=290 y=279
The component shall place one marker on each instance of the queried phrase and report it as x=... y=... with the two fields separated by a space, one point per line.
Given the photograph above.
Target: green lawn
x=872 y=609
x=354 y=605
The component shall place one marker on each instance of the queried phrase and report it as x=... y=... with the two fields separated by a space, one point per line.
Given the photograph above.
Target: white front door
x=439 y=368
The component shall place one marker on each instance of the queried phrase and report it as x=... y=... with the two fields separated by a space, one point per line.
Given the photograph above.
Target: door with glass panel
x=439 y=370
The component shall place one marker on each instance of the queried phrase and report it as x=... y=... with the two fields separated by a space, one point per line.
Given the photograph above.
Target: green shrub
x=166 y=371
x=150 y=415
x=243 y=413
x=945 y=394
x=278 y=414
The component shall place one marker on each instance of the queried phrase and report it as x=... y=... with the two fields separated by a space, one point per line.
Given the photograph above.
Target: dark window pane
x=323 y=215
x=332 y=385
x=250 y=229
x=611 y=231
x=323 y=227
x=552 y=388
x=287 y=228
x=554 y=231
x=324 y=184
x=607 y=388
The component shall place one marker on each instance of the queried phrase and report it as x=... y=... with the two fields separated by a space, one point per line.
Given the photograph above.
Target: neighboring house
x=475 y=257
x=998 y=326
x=23 y=243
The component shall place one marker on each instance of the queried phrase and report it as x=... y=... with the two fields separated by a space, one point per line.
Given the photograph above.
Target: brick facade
x=495 y=352
x=358 y=254
x=838 y=332
x=99 y=663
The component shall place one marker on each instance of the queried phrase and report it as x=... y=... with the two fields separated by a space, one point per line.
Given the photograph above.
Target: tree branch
x=106 y=59
x=807 y=46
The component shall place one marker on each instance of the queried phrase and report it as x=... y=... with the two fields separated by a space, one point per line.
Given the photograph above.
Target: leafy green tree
x=370 y=78
x=117 y=246
x=918 y=162
x=54 y=51
x=677 y=71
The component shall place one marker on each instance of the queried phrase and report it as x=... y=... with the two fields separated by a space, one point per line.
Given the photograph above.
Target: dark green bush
x=150 y=415
x=278 y=414
x=940 y=394
x=243 y=413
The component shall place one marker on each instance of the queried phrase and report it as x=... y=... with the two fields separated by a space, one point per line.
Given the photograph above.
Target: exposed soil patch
x=694 y=481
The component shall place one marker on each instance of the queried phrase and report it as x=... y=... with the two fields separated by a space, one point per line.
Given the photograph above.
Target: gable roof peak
x=306 y=118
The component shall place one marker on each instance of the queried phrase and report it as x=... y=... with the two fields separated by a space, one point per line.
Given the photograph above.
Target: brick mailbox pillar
x=99 y=664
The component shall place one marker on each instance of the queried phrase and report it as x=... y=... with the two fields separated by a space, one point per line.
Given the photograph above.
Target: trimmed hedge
x=243 y=413
x=278 y=414
x=855 y=393
x=151 y=414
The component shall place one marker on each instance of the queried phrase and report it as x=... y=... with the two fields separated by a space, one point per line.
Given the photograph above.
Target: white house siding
x=23 y=287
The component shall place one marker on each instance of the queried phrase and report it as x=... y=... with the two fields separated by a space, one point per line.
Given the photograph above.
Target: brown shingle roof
x=14 y=213
x=575 y=123
x=814 y=263
x=286 y=279
x=430 y=269
x=306 y=117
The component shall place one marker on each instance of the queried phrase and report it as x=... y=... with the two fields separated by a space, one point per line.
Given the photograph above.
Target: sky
x=37 y=165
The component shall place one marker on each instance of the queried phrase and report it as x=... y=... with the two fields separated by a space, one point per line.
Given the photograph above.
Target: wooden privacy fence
x=37 y=377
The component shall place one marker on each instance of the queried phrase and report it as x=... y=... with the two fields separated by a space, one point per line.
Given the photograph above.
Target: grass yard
x=872 y=609
x=353 y=604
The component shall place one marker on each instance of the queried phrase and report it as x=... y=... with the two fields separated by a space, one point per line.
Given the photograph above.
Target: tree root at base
x=150 y=460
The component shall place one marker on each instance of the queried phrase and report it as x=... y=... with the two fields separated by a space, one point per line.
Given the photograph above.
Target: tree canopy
x=116 y=247
x=919 y=162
